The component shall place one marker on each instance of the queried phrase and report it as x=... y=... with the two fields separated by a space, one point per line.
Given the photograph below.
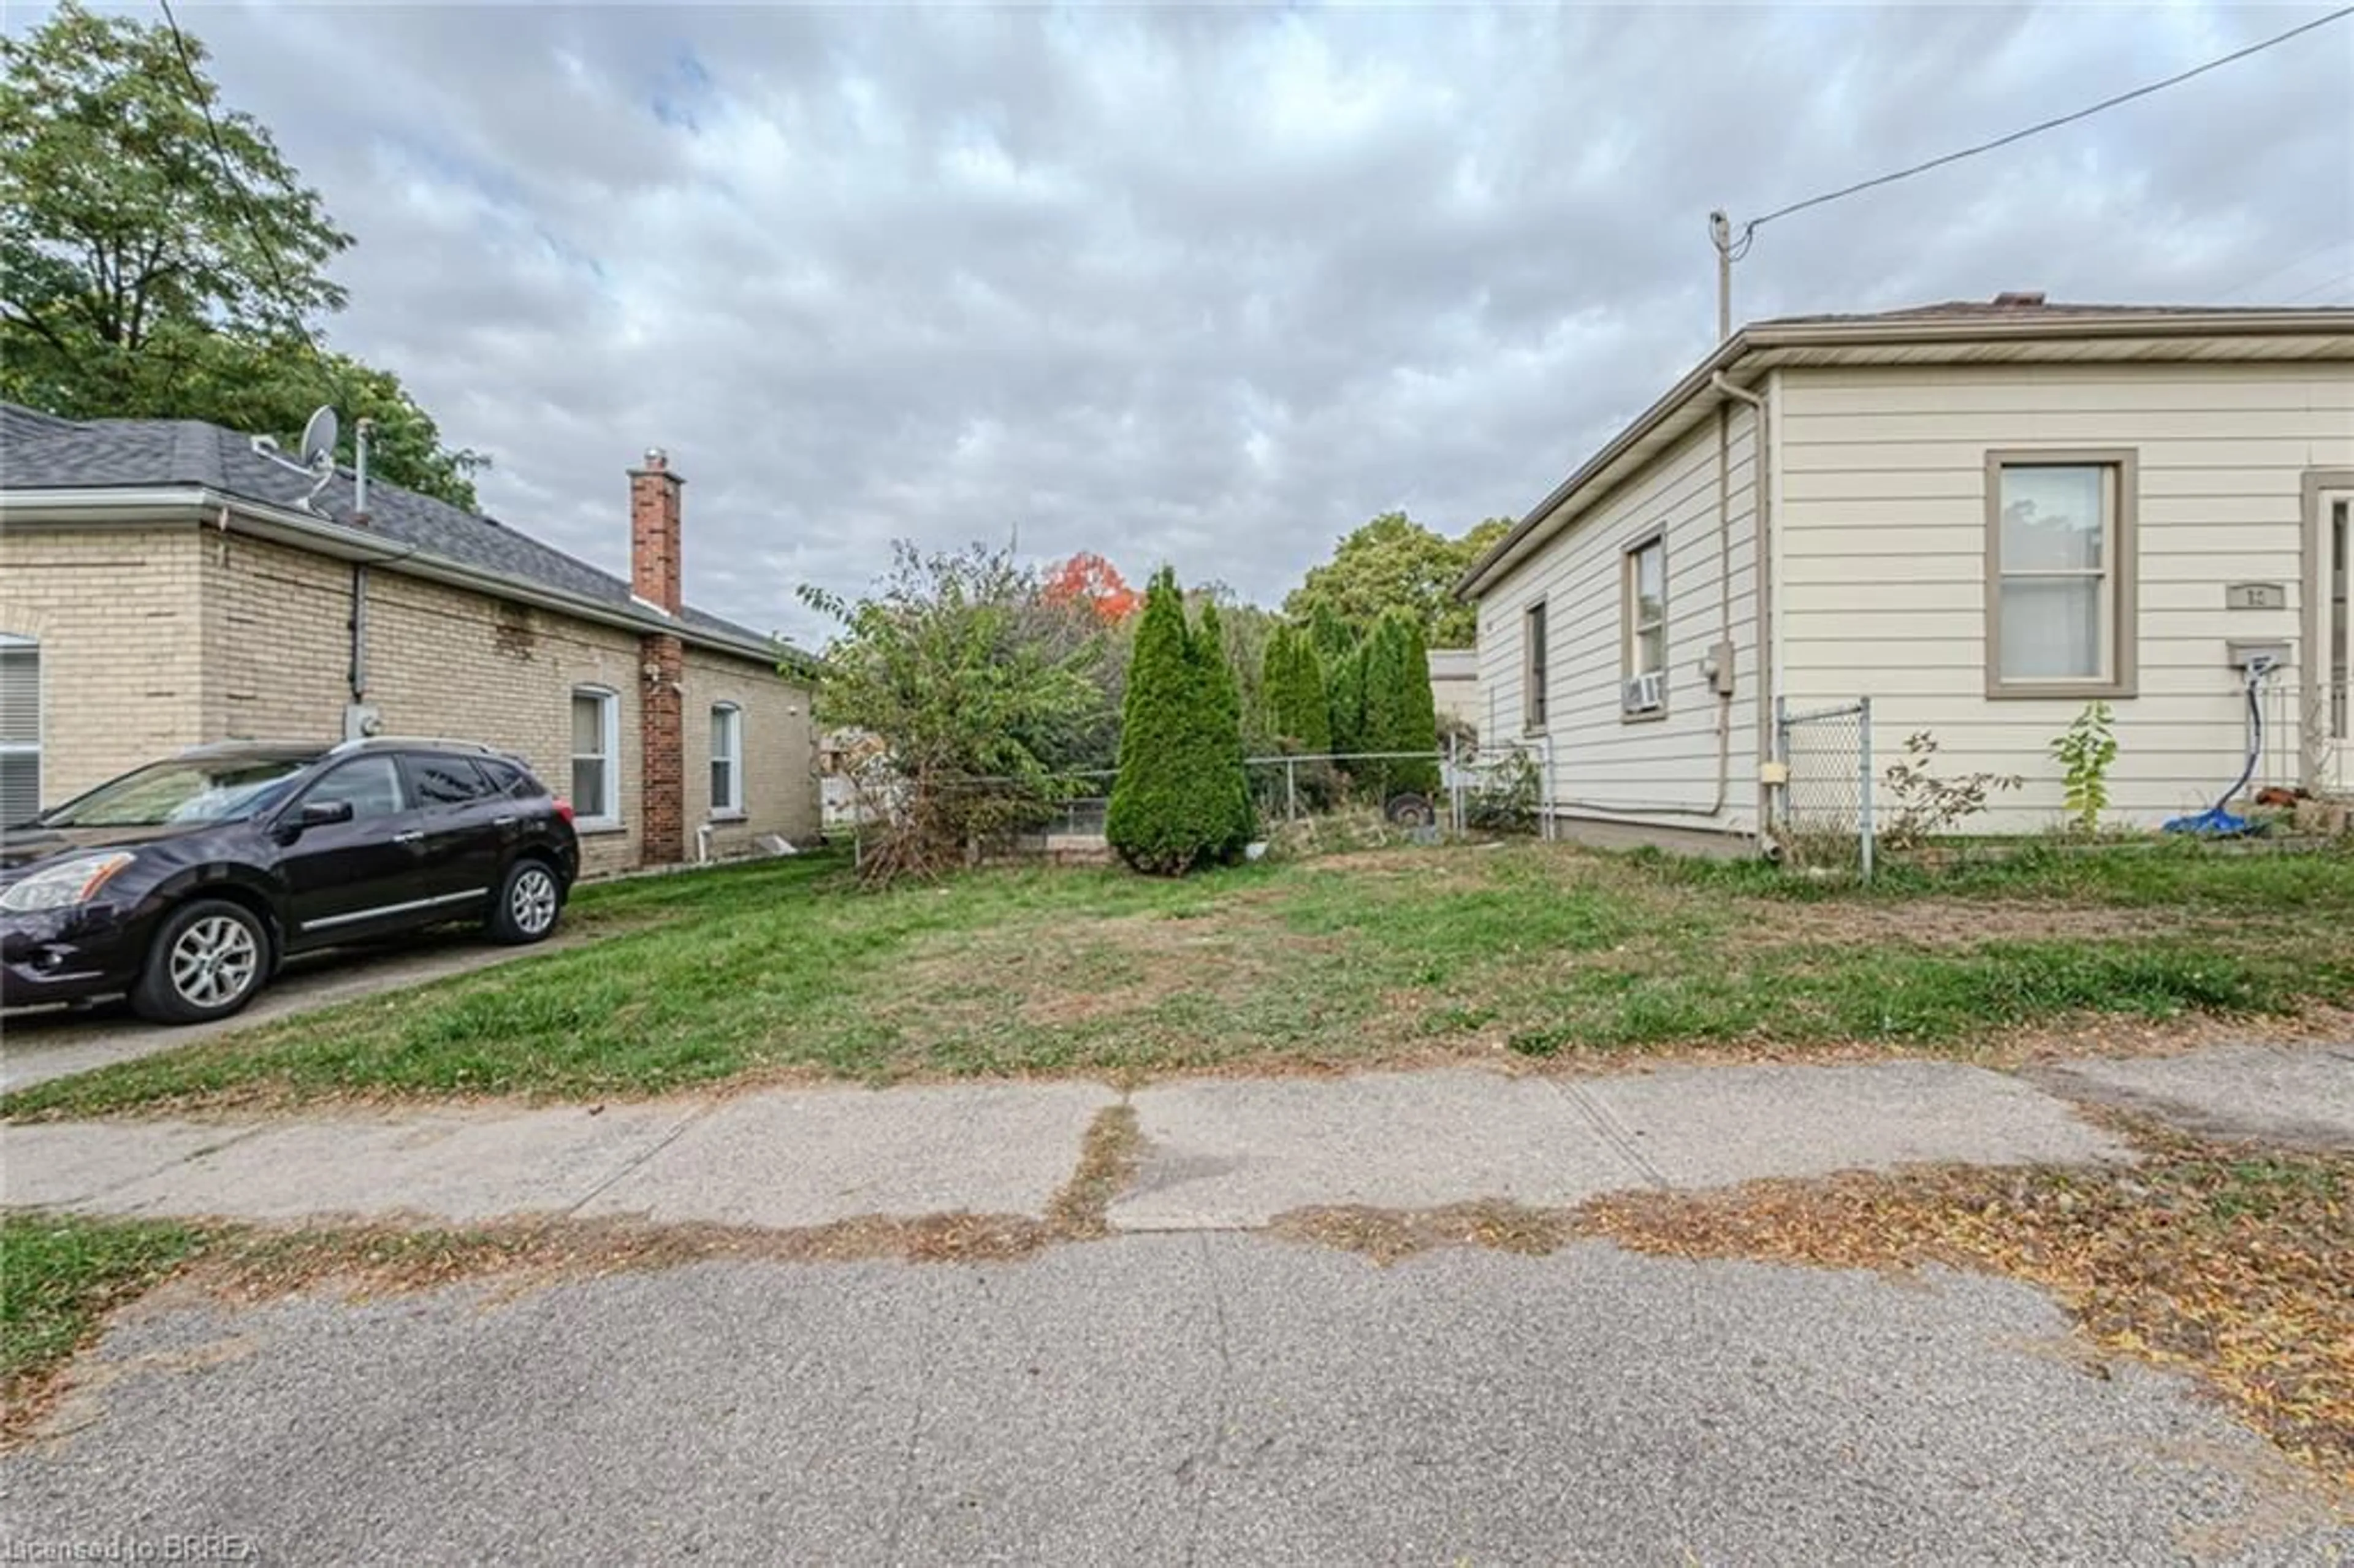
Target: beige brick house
x=166 y=583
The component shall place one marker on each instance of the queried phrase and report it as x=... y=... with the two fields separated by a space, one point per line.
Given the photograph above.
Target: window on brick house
x=20 y=728
x=727 y=759
x=595 y=758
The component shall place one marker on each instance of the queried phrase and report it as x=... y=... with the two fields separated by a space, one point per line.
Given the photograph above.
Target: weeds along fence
x=1827 y=815
x=1496 y=788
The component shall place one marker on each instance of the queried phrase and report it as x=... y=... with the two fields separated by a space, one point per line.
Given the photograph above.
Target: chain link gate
x=1827 y=809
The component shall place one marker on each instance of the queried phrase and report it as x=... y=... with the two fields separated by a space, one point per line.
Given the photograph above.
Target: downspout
x=358 y=669
x=1761 y=493
x=358 y=672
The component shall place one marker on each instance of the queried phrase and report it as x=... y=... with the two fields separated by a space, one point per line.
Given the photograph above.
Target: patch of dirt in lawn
x=1428 y=867
x=1053 y=975
x=1958 y=922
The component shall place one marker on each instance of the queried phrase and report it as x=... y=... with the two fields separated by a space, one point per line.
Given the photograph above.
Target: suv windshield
x=180 y=791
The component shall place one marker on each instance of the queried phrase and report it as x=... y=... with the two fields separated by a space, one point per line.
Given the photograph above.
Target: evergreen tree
x=1181 y=797
x=1399 y=713
x=1416 y=715
x=1295 y=691
x=1330 y=636
x=1347 y=700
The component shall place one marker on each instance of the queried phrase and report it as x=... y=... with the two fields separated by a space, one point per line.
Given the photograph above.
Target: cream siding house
x=1982 y=517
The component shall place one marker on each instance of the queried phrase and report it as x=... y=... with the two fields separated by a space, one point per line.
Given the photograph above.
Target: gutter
x=2057 y=323
x=285 y=525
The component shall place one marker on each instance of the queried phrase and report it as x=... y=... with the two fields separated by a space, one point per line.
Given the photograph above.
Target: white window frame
x=610 y=702
x=1536 y=656
x=1632 y=625
x=732 y=808
x=17 y=642
x=2119 y=604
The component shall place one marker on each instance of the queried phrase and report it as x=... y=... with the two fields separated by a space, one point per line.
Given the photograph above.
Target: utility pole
x=1720 y=234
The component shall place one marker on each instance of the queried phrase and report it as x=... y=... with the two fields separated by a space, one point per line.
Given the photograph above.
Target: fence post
x=1454 y=782
x=1864 y=824
x=1779 y=803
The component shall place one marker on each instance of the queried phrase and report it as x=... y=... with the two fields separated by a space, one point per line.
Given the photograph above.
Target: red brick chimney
x=661 y=731
x=653 y=532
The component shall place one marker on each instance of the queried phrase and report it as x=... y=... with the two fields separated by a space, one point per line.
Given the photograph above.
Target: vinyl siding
x=1599 y=759
x=1882 y=539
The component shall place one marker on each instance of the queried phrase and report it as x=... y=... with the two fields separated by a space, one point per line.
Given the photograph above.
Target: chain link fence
x=1826 y=811
x=1337 y=797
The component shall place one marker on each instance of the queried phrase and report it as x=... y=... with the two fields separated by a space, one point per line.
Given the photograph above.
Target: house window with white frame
x=1643 y=618
x=20 y=728
x=2060 y=590
x=595 y=758
x=1533 y=668
x=727 y=760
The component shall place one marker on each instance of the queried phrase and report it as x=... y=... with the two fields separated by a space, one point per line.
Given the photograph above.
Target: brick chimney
x=653 y=532
x=662 y=730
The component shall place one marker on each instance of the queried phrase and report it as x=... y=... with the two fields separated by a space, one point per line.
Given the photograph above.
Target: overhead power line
x=1749 y=229
x=228 y=171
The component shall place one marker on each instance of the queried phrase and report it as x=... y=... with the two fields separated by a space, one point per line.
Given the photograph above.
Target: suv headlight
x=64 y=885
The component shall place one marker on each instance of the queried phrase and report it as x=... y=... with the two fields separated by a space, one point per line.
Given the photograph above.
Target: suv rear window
x=510 y=778
x=448 y=781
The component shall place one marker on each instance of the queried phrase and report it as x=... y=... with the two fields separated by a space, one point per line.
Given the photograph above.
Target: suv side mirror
x=322 y=813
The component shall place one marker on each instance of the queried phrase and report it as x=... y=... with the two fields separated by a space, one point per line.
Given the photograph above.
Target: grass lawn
x=1389 y=956
x=59 y=1275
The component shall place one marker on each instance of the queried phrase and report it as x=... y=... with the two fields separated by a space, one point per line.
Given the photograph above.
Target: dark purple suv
x=186 y=882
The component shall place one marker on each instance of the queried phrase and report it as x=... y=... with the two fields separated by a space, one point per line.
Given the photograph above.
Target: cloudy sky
x=1208 y=286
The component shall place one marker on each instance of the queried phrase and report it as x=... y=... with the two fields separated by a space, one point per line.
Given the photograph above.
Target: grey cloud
x=1203 y=285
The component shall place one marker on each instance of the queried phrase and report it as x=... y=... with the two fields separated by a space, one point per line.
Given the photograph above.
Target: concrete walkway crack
x=230 y=1141
x=630 y=1167
x=1614 y=1132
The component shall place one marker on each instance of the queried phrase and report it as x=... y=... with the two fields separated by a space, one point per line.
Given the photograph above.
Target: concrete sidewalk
x=1219 y=1154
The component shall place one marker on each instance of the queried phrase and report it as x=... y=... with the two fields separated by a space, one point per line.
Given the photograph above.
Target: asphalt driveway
x=1197 y=1398
x=39 y=1044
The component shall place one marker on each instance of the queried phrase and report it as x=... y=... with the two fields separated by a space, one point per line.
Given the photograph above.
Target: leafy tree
x=1395 y=563
x=973 y=693
x=1181 y=799
x=1400 y=713
x=1089 y=580
x=154 y=264
x=273 y=388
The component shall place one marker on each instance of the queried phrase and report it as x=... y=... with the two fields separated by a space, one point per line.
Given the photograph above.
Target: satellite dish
x=319 y=436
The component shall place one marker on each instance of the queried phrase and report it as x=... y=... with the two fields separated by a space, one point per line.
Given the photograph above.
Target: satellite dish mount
x=320 y=433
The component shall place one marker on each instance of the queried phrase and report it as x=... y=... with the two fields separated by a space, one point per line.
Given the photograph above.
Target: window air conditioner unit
x=1644 y=693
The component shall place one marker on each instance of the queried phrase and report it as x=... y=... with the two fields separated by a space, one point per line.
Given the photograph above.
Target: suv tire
x=208 y=959
x=530 y=899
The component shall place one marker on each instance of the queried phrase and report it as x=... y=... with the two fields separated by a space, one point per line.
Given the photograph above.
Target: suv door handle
x=502 y=821
x=411 y=837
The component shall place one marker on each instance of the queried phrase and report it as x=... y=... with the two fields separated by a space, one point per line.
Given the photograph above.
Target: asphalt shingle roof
x=40 y=451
